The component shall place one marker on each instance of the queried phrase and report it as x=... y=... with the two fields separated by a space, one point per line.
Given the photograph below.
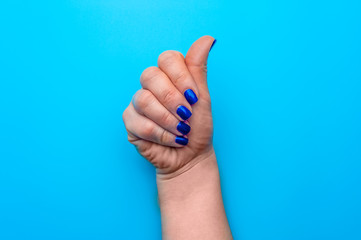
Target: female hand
x=169 y=119
x=170 y=122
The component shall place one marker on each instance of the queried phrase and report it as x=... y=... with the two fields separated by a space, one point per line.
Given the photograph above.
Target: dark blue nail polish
x=183 y=128
x=181 y=140
x=214 y=42
x=190 y=96
x=184 y=113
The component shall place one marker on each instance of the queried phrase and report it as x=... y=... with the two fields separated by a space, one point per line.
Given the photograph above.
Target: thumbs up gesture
x=169 y=119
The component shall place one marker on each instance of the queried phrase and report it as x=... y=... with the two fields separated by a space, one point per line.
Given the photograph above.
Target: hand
x=169 y=120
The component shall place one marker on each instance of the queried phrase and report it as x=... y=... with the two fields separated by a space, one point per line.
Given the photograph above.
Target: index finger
x=172 y=63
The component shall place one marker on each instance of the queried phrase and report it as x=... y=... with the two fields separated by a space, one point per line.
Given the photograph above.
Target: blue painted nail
x=181 y=140
x=184 y=113
x=183 y=128
x=214 y=42
x=190 y=96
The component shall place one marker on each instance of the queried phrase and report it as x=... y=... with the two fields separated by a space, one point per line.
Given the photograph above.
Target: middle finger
x=156 y=81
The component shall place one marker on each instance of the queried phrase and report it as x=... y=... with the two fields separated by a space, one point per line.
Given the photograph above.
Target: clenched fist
x=169 y=119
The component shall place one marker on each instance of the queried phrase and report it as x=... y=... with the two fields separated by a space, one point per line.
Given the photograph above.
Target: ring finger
x=146 y=104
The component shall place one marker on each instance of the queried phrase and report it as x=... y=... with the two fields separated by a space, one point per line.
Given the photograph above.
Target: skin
x=187 y=176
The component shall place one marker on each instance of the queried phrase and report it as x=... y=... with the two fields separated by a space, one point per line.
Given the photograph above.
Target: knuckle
x=180 y=77
x=193 y=62
x=148 y=74
x=167 y=57
x=148 y=130
x=169 y=97
x=166 y=118
x=126 y=116
x=163 y=136
x=142 y=98
x=131 y=138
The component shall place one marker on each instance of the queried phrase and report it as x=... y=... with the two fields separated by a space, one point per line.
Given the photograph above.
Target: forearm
x=191 y=203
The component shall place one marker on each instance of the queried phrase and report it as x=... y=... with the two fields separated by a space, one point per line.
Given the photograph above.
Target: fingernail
x=214 y=42
x=183 y=128
x=190 y=96
x=184 y=113
x=181 y=140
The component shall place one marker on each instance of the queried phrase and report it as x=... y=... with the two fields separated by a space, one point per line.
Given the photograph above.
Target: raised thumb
x=196 y=61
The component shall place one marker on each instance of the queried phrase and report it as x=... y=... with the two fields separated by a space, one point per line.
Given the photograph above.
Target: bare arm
x=170 y=122
x=191 y=203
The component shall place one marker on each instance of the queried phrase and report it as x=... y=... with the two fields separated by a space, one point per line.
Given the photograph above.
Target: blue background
x=285 y=80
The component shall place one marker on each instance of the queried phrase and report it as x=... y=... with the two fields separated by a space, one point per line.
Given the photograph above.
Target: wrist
x=198 y=176
x=207 y=156
x=191 y=202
